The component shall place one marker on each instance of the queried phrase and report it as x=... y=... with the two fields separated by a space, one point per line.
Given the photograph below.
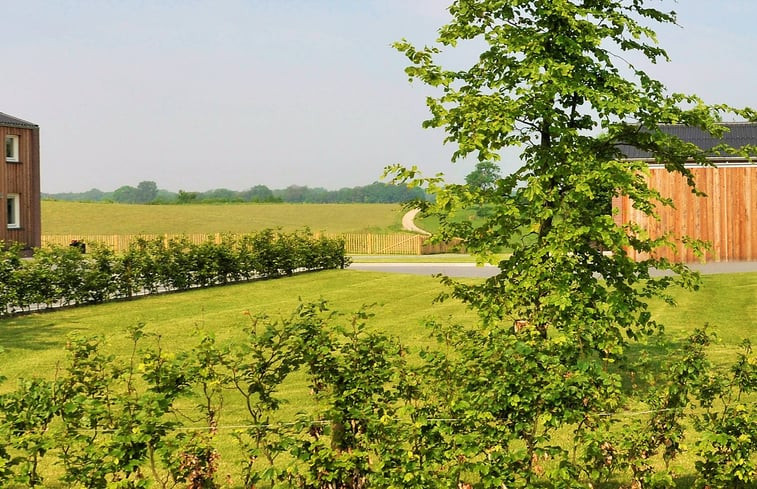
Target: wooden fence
x=355 y=244
x=726 y=217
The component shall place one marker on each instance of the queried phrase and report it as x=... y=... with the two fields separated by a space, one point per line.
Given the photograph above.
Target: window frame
x=14 y=212
x=15 y=145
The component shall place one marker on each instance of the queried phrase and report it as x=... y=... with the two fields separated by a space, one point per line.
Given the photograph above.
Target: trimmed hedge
x=63 y=275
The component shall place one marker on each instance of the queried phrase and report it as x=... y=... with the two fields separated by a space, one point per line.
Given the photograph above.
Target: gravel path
x=408 y=222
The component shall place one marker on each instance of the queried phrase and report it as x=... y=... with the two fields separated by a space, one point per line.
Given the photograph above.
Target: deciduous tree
x=484 y=176
x=553 y=80
x=148 y=191
x=562 y=80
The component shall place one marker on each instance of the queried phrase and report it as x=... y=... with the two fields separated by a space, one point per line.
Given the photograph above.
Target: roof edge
x=738 y=135
x=10 y=121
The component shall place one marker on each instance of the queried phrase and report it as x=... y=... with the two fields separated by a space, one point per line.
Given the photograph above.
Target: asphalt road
x=472 y=271
x=449 y=269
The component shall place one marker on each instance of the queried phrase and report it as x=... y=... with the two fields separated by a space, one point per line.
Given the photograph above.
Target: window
x=13 y=208
x=11 y=148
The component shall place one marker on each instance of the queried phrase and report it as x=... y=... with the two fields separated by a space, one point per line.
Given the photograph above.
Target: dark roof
x=740 y=134
x=9 y=120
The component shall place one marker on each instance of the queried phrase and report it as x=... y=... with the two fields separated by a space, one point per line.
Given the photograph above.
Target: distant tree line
x=147 y=192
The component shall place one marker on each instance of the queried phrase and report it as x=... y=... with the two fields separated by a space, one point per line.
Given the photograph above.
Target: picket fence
x=355 y=244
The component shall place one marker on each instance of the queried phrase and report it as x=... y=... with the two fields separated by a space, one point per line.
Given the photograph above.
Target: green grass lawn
x=726 y=302
x=60 y=217
x=34 y=344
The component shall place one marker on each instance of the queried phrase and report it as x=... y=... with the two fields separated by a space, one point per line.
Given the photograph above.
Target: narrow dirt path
x=408 y=222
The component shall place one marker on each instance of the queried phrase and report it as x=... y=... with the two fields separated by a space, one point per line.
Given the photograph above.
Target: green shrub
x=63 y=275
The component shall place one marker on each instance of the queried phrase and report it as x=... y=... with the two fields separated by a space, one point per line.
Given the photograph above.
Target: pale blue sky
x=198 y=95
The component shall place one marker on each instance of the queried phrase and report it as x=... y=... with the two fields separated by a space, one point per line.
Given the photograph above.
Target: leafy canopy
x=554 y=80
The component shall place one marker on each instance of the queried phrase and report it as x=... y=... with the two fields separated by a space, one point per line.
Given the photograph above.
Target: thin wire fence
x=325 y=422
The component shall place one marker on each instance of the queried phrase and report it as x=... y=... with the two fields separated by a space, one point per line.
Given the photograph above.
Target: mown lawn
x=727 y=303
x=34 y=344
x=60 y=217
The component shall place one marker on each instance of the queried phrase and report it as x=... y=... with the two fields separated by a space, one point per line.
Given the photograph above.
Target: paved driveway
x=473 y=271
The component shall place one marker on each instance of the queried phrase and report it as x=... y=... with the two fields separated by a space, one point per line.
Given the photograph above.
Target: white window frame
x=13 y=207
x=13 y=139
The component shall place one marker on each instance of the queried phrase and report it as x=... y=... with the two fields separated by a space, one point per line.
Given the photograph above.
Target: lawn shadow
x=33 y=333
x=651 y=356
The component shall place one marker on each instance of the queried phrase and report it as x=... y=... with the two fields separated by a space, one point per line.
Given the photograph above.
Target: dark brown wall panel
x=22 y=178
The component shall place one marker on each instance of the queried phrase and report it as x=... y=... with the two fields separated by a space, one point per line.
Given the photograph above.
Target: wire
x=625 y=414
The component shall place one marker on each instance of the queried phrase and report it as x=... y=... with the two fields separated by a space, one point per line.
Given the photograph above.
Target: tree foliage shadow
x=32 y=333
x=648 y=360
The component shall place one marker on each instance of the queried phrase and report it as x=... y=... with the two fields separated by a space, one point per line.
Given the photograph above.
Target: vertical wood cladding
x=726 y=217
x=22 y=178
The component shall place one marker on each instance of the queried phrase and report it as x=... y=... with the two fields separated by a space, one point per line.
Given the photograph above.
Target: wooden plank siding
x=22 y=178
x=383 y=244
x=726 y=217
x=355 y=244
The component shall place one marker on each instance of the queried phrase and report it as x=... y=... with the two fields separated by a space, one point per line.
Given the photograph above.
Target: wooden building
x=726 y=217
x=20 y=182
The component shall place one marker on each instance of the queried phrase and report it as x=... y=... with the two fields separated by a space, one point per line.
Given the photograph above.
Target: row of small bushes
x=378 y=415
x=63 y=275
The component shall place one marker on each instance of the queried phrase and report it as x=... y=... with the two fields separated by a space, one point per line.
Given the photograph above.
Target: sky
x=201 y=94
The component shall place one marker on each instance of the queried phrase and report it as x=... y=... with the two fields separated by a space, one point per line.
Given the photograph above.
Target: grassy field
x=34 y=344
x=431 y=223
x=60 y=217
x=440 y=258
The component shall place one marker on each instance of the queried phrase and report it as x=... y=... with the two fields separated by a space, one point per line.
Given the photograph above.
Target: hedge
x=63 y=275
